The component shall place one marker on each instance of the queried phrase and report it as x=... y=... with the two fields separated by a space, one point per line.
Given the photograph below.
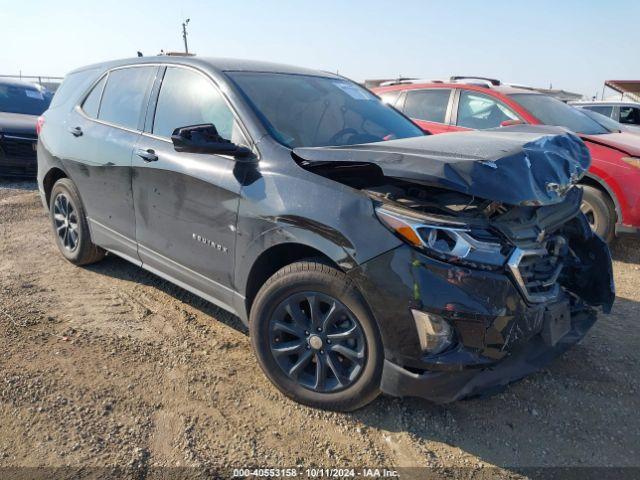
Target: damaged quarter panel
x=276 y=198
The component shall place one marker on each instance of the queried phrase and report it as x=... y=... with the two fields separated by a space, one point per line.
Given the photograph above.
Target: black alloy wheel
x=70 y=225
x=317 y=342
x=65 y=220
x=315 y=337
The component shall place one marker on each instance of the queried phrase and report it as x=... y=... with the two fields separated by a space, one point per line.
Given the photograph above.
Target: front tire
x=599 y=212
x=315 y=338
x=70 y=226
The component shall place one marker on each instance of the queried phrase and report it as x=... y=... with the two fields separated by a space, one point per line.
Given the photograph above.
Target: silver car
x=627 y=113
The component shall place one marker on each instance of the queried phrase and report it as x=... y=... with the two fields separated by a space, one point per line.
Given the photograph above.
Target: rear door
x=430 y=109
x=103 y=132
x=187 y=203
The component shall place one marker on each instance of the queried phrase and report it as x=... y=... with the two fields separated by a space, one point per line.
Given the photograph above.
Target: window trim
x=456 y=106
x=155 y=94
x=90 y=91
x=78 y=107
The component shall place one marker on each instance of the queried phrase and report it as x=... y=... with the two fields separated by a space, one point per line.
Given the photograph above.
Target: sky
x=570 y=44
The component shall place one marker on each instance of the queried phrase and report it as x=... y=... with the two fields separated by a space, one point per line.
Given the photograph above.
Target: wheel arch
x=52 y=176
x=598 y=183
x=273 y=259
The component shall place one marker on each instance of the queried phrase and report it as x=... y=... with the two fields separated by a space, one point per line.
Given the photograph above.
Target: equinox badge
x=206 y=241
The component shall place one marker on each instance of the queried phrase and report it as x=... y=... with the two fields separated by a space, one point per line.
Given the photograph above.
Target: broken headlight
x=452 y=241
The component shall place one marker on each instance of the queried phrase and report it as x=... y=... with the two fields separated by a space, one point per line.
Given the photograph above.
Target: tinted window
x=188 y=98
x=479 y=111
x=312 y=111
x=125 y=94
x=430 y=105
x=390 y=98
x=630 y=115
x=603 y=120
x=17 y=98
x=92 y=102
x=601 y=109
x=552 y=111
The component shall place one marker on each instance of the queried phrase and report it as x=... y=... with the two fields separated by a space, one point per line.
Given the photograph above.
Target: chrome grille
x=536 y=271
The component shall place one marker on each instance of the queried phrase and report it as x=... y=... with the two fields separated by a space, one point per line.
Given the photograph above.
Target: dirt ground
x=110 y=365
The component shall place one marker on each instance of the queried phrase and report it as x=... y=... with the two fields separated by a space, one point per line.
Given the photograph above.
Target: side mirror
x=508 y=123
x=204 y=138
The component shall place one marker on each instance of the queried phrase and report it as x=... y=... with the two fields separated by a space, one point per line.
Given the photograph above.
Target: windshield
x=310 y=111
x=552 y=111
x=603 y=120
x=16 y=98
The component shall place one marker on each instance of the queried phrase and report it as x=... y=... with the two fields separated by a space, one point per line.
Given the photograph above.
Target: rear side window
x=601 y=109
x=390 y=98
x=73 y=85
x=123 y=100
x=188 y=98
x=429 y=105
x=630 y=115
x=92 y=102
x=479 y=111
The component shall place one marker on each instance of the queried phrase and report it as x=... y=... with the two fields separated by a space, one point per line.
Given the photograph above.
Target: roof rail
x=491 y=81
x=397 y=81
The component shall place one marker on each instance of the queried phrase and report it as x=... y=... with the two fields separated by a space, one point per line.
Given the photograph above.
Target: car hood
x=519 y=165
x=18 y=123
x=625 y=142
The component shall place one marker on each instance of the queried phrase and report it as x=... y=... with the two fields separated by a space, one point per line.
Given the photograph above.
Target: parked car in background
x=627 y=113
x=363 y=255
x=608 y=123
x=20 y=105
x=611 y=195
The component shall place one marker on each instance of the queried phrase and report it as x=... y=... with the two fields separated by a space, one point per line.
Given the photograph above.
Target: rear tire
x=599 y=212
x=336 y=339
x=70 y=226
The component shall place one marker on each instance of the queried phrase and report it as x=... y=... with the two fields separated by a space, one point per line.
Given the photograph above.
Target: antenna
x=184 y=34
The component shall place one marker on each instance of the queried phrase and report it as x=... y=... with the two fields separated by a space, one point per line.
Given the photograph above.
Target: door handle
x=147 y=155
x=75 y=131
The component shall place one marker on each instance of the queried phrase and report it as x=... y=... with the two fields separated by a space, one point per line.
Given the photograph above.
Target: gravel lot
x=110 y=365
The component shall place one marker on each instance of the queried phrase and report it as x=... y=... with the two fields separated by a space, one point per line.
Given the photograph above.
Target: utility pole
x=184 y=35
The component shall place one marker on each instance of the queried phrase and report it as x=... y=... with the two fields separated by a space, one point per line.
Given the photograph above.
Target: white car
x=627 y=113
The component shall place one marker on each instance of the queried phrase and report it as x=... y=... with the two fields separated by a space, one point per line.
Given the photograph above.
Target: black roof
x=214 y=64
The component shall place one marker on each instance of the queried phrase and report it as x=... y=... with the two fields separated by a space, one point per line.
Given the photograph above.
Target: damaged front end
x=492 y=283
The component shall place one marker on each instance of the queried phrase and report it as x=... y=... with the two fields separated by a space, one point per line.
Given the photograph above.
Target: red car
x=612 y=186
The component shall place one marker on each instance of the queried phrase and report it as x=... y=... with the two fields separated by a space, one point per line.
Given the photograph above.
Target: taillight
x=39 y=124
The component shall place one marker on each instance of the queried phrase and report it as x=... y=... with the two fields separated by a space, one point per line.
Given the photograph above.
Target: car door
x=429 y=108
x=103 y=132
x=629 y=115
x=474 y=110
x=186 y=203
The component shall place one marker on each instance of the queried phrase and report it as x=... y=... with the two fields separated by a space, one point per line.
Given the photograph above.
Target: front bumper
x=445 y=387
x=497 y=331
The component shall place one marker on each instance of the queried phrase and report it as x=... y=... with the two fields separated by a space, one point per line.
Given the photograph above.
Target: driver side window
x=188 y=98
x=479 y=111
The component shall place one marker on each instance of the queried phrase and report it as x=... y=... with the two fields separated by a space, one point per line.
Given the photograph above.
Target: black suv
x=363 y=255
x=20 y=105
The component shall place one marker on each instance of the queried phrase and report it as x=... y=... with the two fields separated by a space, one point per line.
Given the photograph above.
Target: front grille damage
x=548 y=249
x=536 y=271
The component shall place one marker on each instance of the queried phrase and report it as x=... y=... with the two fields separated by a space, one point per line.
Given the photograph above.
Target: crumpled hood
x=518 y=165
